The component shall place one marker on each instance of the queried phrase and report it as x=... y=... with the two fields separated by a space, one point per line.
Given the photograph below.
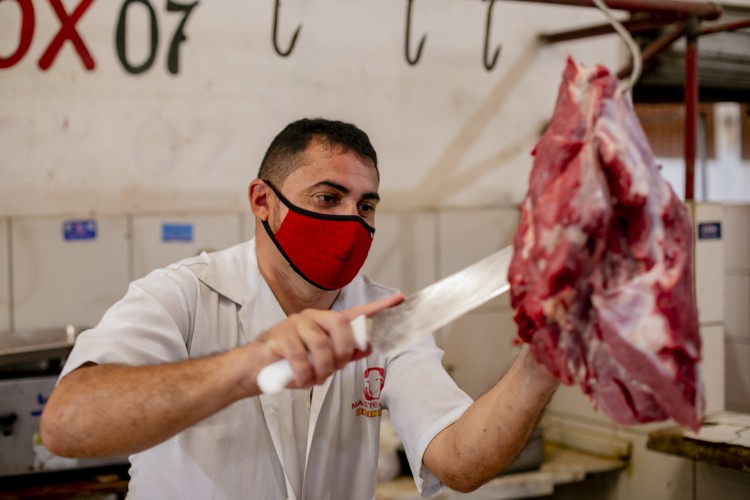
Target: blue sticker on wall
x=709 y=231
x=83 y=229
x=176 y=232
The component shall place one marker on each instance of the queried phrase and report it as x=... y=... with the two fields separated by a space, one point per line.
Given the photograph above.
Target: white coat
x=218 y=301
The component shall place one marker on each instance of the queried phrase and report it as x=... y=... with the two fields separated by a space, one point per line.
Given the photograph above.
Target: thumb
x=373 y=307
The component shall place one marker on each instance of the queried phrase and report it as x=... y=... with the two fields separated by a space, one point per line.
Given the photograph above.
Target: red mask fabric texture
x=326 y=250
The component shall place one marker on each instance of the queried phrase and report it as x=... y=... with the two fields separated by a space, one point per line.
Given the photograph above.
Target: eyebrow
x=335 y=185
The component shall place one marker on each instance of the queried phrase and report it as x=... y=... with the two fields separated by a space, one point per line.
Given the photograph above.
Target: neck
x=290 y=289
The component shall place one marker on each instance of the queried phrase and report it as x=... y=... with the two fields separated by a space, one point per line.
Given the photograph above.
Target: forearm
x=490 y=434
x=115 y=410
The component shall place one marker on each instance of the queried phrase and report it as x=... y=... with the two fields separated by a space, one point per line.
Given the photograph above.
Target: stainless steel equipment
x=30 y=363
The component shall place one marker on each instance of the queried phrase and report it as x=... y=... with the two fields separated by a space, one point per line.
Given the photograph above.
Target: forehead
x=321 y=161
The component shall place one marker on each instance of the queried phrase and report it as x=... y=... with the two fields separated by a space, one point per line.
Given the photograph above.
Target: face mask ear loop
x=278 y=194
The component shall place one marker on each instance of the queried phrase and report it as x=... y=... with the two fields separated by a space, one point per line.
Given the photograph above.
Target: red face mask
x=327 y=250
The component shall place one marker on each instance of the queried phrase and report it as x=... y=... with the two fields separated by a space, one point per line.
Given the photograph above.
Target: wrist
x=245 y=363
x=537 y=371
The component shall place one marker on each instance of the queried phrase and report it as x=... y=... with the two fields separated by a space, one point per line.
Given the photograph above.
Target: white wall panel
x=5 y=321
x=653 y=475
x=160 y=240
x=479 y=349
x=570 y=401
x=714 y=482
x=738 y=376
x=709 y=266
x=57 y=282
x=403 y=252
x=737 y=237
x=713 y=367
x=737 y=308
x=466 y=236
x=248 y=225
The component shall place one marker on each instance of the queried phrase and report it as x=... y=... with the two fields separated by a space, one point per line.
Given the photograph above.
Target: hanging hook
x=635 y=50
x=409 y=59
x=487 y=63
x=275 y=28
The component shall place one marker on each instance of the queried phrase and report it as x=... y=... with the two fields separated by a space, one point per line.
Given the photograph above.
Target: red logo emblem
x=374 y=378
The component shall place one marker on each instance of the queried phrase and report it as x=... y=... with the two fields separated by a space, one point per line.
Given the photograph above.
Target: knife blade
x=419 y=314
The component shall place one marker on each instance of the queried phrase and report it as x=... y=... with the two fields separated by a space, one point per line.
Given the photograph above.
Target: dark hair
x=280 y=158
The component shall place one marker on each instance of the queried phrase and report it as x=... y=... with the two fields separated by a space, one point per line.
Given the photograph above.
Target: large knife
x=423 y=312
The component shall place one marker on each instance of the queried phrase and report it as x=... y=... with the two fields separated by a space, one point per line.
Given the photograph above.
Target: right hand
x=318 y=342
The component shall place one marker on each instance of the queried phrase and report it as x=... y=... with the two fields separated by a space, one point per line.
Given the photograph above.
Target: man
x=169 y=374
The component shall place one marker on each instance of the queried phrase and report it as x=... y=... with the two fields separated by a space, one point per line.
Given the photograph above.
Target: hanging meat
x=601 y=277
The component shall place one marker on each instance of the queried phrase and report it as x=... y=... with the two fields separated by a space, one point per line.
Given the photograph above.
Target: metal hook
x=275 y=27
x=409 y=59
x=487 y=63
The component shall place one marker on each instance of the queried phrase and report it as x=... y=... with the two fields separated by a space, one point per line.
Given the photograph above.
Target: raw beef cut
x=601 y=277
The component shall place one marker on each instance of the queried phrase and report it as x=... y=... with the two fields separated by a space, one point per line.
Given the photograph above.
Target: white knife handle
x=359 y=327
x=273 y=378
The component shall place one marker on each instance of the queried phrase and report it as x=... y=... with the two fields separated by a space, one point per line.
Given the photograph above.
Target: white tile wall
x=714 y=482
x=5 y=322
x=736 y=233
x=709 y=266
x=713 y=367
x=210 y=232
x=653 y=475
x=466 y=236
x=738 y=377
x=248 y=225
x=403 y=253
x=58 y=282
x=479 y=349
x=737 y=309
x=570 y=401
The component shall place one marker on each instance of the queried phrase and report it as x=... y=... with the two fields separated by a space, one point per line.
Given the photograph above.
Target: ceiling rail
x=637 y=23
x=706 y=11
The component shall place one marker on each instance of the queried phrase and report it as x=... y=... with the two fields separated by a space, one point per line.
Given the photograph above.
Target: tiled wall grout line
x=11 y=303
x=131 y=248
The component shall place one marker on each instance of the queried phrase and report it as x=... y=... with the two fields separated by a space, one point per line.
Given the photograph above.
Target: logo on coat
x=374 y=378
x=373 y=385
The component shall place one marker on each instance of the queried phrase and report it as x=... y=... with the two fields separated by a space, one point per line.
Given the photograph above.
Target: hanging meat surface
x=601 y=277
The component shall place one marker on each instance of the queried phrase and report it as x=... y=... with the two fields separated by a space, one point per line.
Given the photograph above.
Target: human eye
x=326 y=199
x=366 y=209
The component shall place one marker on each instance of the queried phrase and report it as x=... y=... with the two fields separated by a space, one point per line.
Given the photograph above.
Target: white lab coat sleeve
x=422 y=400
x=149 y=325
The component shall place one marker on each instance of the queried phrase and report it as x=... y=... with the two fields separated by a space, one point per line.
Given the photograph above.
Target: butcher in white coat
x=169 y=375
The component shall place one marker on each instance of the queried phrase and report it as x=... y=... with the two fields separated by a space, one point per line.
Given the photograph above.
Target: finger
x=287 y=343
x=320 y=348
x=373 y=307
x=338 y=329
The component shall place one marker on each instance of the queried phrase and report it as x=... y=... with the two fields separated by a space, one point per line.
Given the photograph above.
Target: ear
x=257 y=194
